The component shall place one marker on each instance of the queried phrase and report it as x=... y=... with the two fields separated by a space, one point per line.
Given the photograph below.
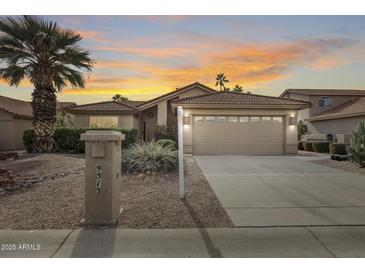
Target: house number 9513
x=98 y=178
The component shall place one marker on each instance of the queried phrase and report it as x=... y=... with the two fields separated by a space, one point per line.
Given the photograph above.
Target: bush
x=68 y=139
x=166 y=132
x=167 y=143
x=29 y=139
x=151 y=156
x=336 y=148
x=300 y=145
x=308 y=146
x=321 y=147
x=357 y=145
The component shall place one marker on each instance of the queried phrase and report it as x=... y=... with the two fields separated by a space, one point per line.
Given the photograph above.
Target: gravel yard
x=343 y=165
x=148 y=201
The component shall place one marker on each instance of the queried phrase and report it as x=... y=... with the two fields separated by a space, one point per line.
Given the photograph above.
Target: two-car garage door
x=238 y=135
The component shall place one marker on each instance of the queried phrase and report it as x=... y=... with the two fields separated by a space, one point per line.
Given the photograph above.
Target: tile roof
x=351 y=108
x=104 y=107
x=234 y=98
x=16 y=107
x=344 y=92
x=176 y=92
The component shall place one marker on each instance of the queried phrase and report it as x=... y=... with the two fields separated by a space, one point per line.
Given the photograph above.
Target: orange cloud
x=149 y=52
x=97 y=36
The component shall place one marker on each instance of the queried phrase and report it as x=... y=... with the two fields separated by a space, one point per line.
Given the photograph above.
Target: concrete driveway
x=284 y=191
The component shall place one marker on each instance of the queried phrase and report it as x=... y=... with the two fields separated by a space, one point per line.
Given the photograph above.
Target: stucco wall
x=290 y=134
x=337 y=126
x=11 y=133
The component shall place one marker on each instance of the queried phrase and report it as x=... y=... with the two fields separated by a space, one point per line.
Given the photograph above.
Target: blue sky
x=145 y=56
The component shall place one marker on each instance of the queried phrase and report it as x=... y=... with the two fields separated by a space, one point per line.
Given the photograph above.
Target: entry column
x=103 y=156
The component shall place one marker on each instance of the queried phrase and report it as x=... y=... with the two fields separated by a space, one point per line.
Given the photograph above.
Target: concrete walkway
x=284 y=191
x=286 y=242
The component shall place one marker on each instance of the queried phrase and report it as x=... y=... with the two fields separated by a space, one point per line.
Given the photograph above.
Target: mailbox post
x=103 y=156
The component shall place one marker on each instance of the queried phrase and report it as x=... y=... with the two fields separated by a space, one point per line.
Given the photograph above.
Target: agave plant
x=151 y=156
x=50 y=58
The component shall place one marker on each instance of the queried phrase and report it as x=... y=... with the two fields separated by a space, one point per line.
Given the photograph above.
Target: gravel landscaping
x=342 y=165
x=56 y=200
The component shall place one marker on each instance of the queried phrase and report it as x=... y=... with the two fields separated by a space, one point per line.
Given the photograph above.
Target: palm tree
x=221 y=80
x=47 y=55
x=119 y=97
x=237 y=88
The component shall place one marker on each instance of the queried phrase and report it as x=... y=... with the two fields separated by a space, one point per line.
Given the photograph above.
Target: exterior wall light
x=292 y=121
x=187 y=120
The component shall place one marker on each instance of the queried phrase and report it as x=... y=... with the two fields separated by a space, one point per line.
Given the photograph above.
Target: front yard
x=148 y=201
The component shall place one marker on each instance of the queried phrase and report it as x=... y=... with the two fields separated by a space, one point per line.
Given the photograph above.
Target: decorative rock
x=140 y=176
x=148 y=172
x=27 y=184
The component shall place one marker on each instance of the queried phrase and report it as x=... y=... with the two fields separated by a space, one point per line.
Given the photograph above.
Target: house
x=214 y=122
x=15 y=118
x=333 y=111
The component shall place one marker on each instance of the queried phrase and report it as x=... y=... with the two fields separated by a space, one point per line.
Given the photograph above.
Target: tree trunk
x=44 y=118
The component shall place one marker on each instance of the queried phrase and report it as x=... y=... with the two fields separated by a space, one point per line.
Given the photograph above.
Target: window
x=255 y=119
x=198 y=118
x=232 y=119
x=277 y=119
x=103 y=121
x=210 y=118
x=243 y=119
x=325 y=102
x=266 y=119
x=221 y=118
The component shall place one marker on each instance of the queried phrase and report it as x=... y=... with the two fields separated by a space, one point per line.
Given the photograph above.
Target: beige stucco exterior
x=289 y=136
x=11 y=133
x=337 y=126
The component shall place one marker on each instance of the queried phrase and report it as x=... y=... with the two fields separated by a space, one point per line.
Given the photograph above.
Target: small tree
x=119 y=97
x=64 y=119
x=357 y=145
x=302 y=129
x=237 y=88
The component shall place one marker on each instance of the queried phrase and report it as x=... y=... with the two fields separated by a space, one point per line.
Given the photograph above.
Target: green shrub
x=357 y=145
x=166 y=132
x=151 y=157
x=167 y=143
x=68 y=139
x=29 y=139
x=308 y=146
x=300 y=145
x=336 y=148
x=321 y=147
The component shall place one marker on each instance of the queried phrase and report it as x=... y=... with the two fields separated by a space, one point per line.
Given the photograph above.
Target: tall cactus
x=357 y=145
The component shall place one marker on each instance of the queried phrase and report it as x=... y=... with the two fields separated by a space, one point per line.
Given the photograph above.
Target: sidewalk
x=287 y=242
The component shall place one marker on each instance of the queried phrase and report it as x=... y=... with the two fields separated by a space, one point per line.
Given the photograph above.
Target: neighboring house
x=333 y=111
x=215 y=123
x=15 y=118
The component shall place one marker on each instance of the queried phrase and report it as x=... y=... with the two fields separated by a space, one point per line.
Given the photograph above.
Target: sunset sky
x=142 y=57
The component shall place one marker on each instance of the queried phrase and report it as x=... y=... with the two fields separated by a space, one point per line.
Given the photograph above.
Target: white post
x=180 y=126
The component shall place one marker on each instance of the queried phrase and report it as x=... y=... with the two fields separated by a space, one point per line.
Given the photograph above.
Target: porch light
x=292 y=121
x=187 y=120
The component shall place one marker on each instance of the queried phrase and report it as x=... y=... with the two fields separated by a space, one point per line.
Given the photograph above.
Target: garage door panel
x=238 y=138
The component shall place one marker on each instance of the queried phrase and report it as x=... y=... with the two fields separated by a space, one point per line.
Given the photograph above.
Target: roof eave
x=337 y=116
x=114 y=112
x=268 y=106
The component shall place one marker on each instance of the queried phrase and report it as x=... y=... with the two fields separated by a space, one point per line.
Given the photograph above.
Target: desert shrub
x=300 y=145
x=68 y=139
x=308 y=146
x=357 y=145
x=321 y=147
x=29 y=139
x=167 y=143
x=166 y=132
x=151 y=156
x=336 y=148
